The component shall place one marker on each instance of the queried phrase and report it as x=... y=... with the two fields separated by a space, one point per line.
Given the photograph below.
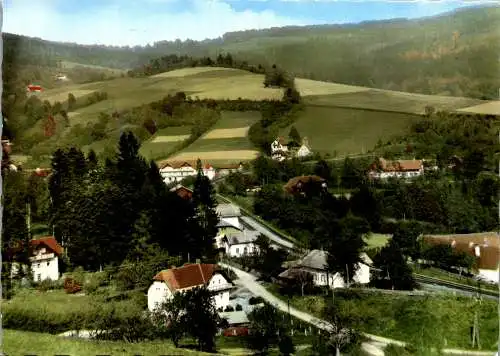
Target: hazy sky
x=133 y=22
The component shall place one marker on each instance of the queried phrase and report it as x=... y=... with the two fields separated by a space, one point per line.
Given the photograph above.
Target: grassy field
x=347 y=131
x=29 y=343
x=375 y=240
x=227 y=140
x=164 y=141
x=492 y=107
x=411 y=318
x=391 y=101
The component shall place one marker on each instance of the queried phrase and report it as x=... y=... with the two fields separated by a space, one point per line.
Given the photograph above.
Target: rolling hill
x=453 y=54
x=336 y=118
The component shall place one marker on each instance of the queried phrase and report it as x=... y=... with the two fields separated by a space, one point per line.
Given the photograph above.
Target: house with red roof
x=192 y=275
x=45 y=253
x=383 y=169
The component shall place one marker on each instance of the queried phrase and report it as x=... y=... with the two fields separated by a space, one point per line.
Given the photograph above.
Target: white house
x=61 y=77
x=242 y=243
x=180 y=279
x=304 y=150
x=44 y=257
x=315 y=263
x=230 y=214
x=176 y=171
x=279 y=149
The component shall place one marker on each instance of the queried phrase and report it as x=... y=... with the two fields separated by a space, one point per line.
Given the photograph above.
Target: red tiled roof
x=189 y=275
x=291 y=185
x=399 y=165
x=48 y=241
x=183 y=192
x=180 y=164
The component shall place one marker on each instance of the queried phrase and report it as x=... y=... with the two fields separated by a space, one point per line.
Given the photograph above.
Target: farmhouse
x=44 y=258
x=229 y=224
x=315 y=263
x=180 y=279
x=241 y=243
x=304 y=184
x=33 y=88
x=383 y=169
x=177 y=171
x=485 y=247
x=183 y=192
x=279 y=149
x=225 y=169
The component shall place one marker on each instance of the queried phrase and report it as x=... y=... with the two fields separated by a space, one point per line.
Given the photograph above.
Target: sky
x=139 y=22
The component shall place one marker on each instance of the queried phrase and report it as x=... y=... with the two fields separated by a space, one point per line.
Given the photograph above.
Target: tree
x=352 y=175
x=71 y=102
x=205 y=202
x=345 y=246
x=265 y=327
x=323 y=170
x=392 y=266
x=294 y=136
x=406 y=236
x=268 y=260
x=286 y=345
x=365 y=204
x=193 y=313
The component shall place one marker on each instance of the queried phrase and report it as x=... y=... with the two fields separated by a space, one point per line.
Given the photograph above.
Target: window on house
x=39 y=277
x=323 y=278
x=48 y=263
x=38 y=265
x=237 y=250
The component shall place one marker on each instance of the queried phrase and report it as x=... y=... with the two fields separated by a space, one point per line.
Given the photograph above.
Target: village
x=236 y=290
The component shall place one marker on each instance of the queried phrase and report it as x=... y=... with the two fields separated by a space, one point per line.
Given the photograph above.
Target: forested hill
x=452 y=54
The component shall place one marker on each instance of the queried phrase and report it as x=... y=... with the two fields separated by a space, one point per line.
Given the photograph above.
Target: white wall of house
x=489 y=275
x=386 y=175
x=320 y=278
x=45 y=268
x=158 y=293
x=239 y=250
x=171 y=175
x=303 y=151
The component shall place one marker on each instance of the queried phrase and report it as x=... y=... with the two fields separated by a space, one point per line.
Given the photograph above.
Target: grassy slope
x=408 y=55
x=28 y=343
x=328 y=127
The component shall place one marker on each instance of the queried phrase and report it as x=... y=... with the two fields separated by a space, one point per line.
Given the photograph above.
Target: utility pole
x=347 y=275
x=28 y=219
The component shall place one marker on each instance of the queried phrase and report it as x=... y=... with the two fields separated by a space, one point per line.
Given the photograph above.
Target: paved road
x=266 y=232
x=373 y=347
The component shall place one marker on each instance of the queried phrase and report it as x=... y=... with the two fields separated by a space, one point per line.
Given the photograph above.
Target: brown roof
x=179 y=164
x=488 y=242
x=291 y=185
x=189 y=275
x=183 y=192
x=229 y=166
x=401 y=165
x=48 y=241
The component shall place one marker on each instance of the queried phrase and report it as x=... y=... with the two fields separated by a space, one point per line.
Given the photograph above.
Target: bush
x=71 y=286
x=48 y=284
x=229 y=309
x=255 y=300
x=239 y=307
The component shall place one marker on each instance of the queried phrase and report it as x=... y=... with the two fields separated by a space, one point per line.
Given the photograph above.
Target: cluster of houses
x=176 y=171
x=281 y=150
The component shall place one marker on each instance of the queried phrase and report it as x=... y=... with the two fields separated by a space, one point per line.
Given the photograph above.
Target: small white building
x=180 y=279
x=229 y=214
x=242 y=243
x=304 y=150
x=177 y=171
x=315 y=263
x=279 y=149
x=44 y=258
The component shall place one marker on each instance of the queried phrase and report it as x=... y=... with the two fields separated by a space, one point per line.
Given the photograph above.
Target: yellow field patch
x=163 y=139
x=184 y=72
x=313 y=87
x=215 y=155
x=228 y=133
x=491 y=108
x=72 y=114
x=63 y=96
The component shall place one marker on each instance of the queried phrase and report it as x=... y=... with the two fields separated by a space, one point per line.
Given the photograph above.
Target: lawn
x=237 y=119
x=164 y=141
x=409 y=318
x=375 y=240
x=391 y=101
x=348 y=131
x=30 y=343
